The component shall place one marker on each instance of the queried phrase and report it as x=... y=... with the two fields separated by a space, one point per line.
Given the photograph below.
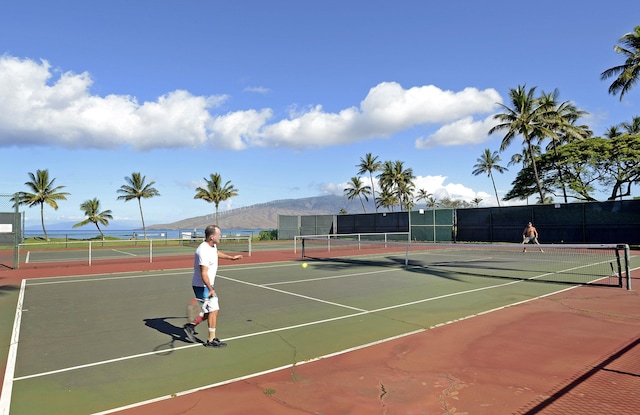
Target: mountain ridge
x=265 y=215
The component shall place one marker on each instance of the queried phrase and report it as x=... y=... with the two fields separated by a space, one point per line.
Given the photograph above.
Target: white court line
x=323 y=278
x=7 y=384
x=123 y=252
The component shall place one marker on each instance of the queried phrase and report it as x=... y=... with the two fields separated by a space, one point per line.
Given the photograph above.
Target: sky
x=283 y=98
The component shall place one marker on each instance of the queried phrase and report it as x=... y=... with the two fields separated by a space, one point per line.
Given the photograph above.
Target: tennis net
x=593 y=264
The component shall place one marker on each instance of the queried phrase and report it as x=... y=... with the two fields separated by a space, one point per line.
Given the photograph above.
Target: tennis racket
x=194 y=308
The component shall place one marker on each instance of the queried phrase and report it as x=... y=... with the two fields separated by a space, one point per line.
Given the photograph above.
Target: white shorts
x=211 y=304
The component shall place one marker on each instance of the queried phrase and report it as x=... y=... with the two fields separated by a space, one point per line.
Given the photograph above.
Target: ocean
x=133 y=233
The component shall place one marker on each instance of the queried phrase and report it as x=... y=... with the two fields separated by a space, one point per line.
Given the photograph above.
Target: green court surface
x=95 y=343
x=96 y=250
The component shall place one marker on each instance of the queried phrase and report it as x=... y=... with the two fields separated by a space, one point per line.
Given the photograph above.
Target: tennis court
x=100 y=343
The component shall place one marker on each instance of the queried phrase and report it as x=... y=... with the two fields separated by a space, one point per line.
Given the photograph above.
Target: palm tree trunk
x=362 y=203
x=494 y=188
x=535 y=170
x=144 y=228
x=100 y=230
x=373 y=189
x=555 y=161
x=46 y=237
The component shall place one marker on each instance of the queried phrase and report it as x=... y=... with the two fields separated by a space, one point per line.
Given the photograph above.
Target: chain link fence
x=10 y=231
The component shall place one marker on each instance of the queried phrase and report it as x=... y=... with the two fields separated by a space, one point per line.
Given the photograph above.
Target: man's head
x=529 y=224
x=212 y=234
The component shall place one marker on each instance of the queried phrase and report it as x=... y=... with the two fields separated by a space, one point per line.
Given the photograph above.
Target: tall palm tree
x=629 y=72
x=562 y=126
x=487 y=163
x=91 y=209
x=370 y=164
x=356 y=188
x=43 y=192
x=528 y=118
x=476 y=201
x=215 y=192
x=137 y=189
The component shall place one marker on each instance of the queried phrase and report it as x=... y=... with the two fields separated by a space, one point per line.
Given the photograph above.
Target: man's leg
x=213 y=341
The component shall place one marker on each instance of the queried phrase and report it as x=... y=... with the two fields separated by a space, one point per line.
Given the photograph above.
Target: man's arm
x=204 y=271
x=226 y=256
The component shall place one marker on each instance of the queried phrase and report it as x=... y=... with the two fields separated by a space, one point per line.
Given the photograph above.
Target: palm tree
x=137 y=189
x=370 y=164
x=476 y=201
x=487 y=163
x=423 y=195
x=528 y=117
x=355 y=189
x=561 y=124
x=397 y=180
x=386 y=199
x=613 y=131
x=215 y=192
x=91 y=209
x=629 y=72
x=632 y=127
x=44 y=191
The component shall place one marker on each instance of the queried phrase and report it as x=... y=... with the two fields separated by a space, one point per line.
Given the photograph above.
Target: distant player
x=529 y=236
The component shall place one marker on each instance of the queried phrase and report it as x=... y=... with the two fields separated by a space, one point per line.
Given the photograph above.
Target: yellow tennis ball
x=304 y=265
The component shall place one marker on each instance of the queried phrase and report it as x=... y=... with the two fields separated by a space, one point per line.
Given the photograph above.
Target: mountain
x=265 y=215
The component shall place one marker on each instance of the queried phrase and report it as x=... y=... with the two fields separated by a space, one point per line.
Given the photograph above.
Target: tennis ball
x=304 y=265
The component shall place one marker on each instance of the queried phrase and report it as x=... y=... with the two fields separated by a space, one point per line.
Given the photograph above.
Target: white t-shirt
x=206 y=255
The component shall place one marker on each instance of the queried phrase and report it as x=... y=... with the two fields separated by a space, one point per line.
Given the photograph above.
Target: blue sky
x=283 y=98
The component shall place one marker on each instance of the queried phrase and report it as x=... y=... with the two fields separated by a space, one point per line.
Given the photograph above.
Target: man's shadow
x=163 y=326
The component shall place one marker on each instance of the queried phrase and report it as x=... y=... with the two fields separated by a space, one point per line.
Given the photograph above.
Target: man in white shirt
x=205 y=266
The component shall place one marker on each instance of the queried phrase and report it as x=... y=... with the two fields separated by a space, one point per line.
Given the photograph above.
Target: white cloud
x=462 y=131
x=257 y=89
x=39 y=108
x=434 y=185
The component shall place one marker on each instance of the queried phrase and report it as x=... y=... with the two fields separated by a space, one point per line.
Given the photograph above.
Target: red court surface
x=575 y=352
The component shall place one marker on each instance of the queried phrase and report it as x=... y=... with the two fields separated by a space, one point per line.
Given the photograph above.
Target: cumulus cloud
x=42 y=108
x=462 y=131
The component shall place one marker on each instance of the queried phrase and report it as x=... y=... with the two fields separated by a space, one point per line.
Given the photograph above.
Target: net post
x=90 y=253
x=17 y=235
x=302 y=250
x=627 y=269
x=406 y=255
x=150 y=250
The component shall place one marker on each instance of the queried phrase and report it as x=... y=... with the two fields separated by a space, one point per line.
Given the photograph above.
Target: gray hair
x=210 y=230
